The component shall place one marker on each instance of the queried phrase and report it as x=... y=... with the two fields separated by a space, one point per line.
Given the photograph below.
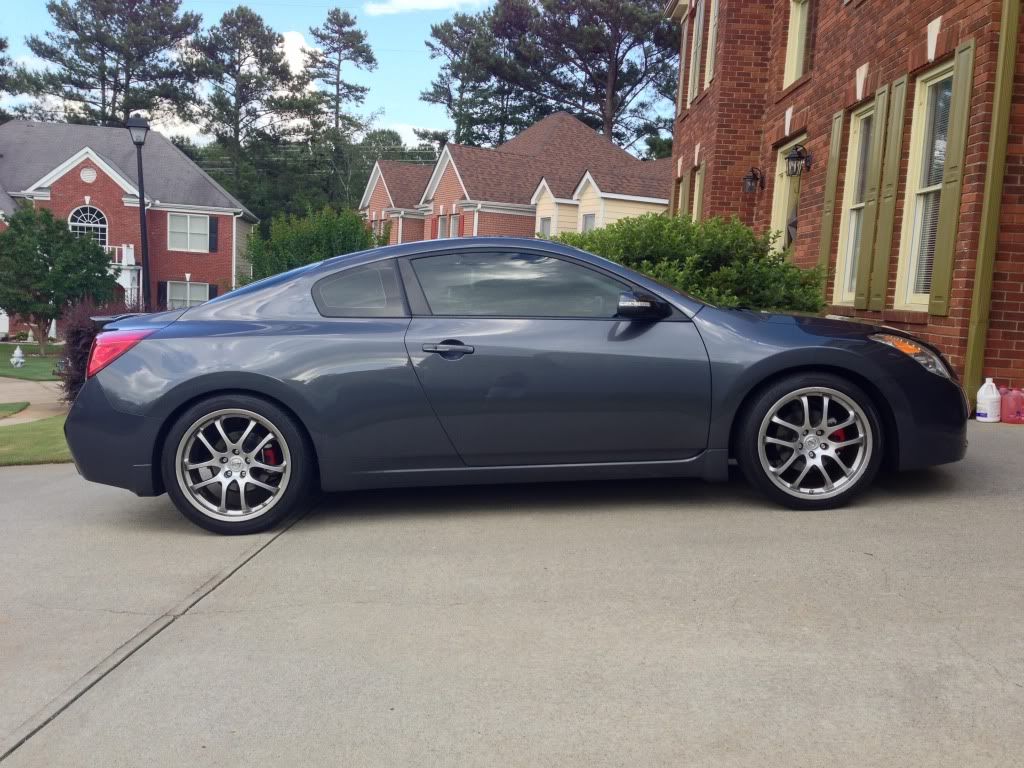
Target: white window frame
x=846 y=262
x=709 y=59
x=442 y=227
x=453 y=225
x=98 y=232
x=545 y=226
x=796 y=41
x=783 y=190
x=681 y=101
x=583 y=222
x=907 y=264
x=189 y=301
x=188 y=232
x=695 y=52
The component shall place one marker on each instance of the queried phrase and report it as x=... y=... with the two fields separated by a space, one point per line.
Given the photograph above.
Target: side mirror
x=634 y=305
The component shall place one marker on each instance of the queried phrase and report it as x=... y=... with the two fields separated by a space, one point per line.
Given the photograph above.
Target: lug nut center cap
x=236 y=463
x=811 y=443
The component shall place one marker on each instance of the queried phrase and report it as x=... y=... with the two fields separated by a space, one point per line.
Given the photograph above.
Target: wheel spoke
x=203 y=483
x=829 y=485
x=245 y=435
x=223 y=506
x=807 y=411
x=269 y=436
x=219 y=423
x=202 y=439
x=825 y=402
x=786 y=464
x=847 y=443
x=199 y=465
x=268 y=467
x=842 y=465
x=842 y=425
x=802 y=475
x=786 y=424
x=784 y=443
x=244 y=506
x=259 y=484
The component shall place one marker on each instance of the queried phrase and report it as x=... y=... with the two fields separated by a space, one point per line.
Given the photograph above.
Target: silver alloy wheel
x=233 y=465
x=815 y=442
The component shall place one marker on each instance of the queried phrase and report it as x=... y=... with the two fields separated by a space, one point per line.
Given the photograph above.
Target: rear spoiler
x=103 y=320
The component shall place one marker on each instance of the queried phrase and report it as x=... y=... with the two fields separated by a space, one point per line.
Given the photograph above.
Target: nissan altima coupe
x=494 y=360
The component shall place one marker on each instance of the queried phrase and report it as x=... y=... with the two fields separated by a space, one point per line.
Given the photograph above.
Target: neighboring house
x=910 y=115
x=527 y=185
x=86 y=175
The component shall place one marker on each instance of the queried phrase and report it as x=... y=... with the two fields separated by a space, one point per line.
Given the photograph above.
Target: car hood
x=829 y=325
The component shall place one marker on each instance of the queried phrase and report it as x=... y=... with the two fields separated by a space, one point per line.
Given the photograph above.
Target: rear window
x=368 y=291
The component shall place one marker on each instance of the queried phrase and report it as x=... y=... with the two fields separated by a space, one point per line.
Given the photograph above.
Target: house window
x=695 y=52
x=858 y=155
x=785 y=198
x=929 y=135
x=442 y=227
x=589 y=221
x=188 y=232
x=545 y=226
x=453 y=225
x=89 y=222
x=681 y=102
x=709 y=64
x=698 y=193
x=681 y=195
x=183 y=295
x=796 y=41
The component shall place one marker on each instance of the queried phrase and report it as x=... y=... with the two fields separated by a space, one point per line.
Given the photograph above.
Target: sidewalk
x=43 y=398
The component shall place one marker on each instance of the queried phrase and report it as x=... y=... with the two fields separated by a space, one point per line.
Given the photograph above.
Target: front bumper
x=931 y=416
x=112 y=447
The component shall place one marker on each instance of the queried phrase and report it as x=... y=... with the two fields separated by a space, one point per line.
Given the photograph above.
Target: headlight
x=923 y=355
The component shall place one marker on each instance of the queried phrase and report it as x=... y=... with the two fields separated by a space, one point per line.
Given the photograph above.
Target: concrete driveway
x=605 y=624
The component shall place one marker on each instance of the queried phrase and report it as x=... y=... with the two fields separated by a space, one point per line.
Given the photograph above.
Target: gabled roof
x=650 y=179
x=30 y=151
x=405 y=181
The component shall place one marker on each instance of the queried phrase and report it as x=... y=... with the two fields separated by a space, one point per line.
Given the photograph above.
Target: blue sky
x=396 y=29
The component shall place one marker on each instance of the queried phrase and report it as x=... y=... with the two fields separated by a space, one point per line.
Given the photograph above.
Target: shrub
x=297 y=240
x=79 y=333
x=719 y=261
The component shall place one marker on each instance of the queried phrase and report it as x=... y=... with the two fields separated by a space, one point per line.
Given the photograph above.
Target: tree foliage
x=297 y=240
x=719 y=261
x=109 y=58
x=338 y=42
x=45 y=268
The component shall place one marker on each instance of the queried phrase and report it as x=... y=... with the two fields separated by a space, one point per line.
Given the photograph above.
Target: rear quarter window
x=372 y=290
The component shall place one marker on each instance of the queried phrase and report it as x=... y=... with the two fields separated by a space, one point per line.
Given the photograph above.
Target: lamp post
x=138 y=127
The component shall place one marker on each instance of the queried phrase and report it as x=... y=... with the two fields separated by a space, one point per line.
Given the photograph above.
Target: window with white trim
x=88 y=221
x=696 y=51
x=796 y=41
x=589 y=221
x=785 y=198
x=453 y=225
x=698 y=193
x=929 y=134
x=709 y=62
x=442 y=227
x=188 y=232
x=181 y=295
x=681 y=102
x=545 y=226
x=858 y=155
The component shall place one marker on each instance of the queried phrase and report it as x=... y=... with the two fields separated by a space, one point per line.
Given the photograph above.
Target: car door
x=524 y=362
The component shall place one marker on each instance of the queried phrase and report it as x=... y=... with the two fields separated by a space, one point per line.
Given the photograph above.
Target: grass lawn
x=9 y=409
x=36 y=368
x=38 y=442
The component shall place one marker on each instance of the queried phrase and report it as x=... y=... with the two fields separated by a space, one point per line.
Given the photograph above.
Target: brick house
x=905 y=124
x=557 y=175
x=86 y=175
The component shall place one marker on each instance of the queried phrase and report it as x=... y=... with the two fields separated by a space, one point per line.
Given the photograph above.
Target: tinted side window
x=515 y=285
x=368 y=291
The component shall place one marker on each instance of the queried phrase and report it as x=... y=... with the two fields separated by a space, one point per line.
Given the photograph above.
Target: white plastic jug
x=989 y=402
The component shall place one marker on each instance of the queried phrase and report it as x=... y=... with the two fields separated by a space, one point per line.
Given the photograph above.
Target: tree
x=110 y=58
x=252 y=89
x=608 y=62
x=339 y=42
x=45 y=268
x=486 y=108
x=6 y=74
x=431 y=139
x=297 y=240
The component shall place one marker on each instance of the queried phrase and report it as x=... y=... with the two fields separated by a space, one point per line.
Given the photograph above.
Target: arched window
x=89 y=222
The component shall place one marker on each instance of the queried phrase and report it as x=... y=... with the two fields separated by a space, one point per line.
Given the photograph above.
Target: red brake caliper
x=270 y=456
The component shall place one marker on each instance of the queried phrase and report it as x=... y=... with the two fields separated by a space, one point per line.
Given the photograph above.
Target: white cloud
x=295 y=48
x=405 y=130
x=390 y=7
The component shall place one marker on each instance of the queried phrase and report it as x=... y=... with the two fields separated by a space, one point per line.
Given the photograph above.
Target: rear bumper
x=112 y=447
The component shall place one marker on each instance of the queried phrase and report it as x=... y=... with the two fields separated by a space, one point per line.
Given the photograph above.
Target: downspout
x=992 y=198
x=234 y=250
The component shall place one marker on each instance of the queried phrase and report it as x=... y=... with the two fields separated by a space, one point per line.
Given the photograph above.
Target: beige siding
x=590 y=202
x=621 y=209
x=563 y=215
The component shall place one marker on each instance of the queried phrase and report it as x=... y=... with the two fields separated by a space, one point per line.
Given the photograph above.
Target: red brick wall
x=740 y=121
x=449 y=192
x=165 y=264
x=379 y=200
x=504 y=225
x=412 y=230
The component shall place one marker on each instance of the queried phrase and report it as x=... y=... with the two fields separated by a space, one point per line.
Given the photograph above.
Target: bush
x=718 y=261
x=79 y=333
x=297 y=240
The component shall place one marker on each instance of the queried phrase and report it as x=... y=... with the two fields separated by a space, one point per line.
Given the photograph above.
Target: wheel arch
x=890 y=430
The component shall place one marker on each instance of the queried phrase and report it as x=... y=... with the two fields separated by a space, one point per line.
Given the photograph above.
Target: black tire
x=293 y=447
x=747 y=448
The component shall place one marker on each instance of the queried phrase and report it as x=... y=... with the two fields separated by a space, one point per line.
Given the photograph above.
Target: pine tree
x=339 y=42
x=109 y=58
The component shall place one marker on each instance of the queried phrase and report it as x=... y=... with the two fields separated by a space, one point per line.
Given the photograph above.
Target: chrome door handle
x=452 y=348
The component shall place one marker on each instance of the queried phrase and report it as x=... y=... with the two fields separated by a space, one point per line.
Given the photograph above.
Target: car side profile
x=493 y=360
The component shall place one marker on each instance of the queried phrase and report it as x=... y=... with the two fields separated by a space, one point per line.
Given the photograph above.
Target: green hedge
x=719 y=261
x=297 y=240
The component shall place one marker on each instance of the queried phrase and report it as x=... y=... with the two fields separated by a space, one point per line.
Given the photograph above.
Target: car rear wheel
x=236 y=464
x=810 y=441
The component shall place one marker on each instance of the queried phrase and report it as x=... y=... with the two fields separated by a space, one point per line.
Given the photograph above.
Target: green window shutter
x=879 y=285
x=828 y=208
x=872 y=183
x=952 y=180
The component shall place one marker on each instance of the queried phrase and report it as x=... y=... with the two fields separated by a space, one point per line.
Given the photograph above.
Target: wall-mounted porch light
x=797 y=160
x=753 y=180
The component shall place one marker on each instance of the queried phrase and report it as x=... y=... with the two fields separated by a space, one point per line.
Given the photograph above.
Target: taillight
x=109 y=346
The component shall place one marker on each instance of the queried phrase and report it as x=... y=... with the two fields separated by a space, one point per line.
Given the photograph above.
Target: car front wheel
x=236 y=464
x=810 y=441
